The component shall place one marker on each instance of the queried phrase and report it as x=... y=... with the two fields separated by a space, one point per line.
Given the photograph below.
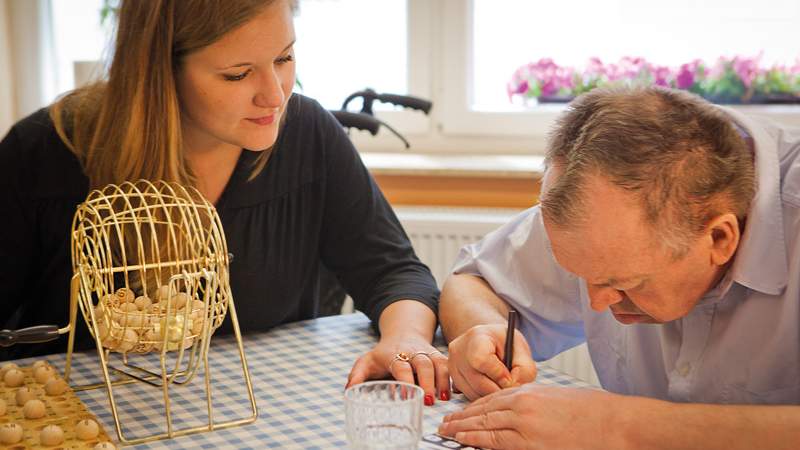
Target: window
x=77 y=36
x=511 y=33
x=461 y=53
x=501 y=35
x=344 y=46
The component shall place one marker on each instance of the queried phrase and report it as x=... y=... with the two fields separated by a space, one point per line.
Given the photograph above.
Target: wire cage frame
x=150 y=277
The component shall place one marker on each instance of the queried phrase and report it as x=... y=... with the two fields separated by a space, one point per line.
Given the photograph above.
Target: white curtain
x=27 y=78
x=7 y=97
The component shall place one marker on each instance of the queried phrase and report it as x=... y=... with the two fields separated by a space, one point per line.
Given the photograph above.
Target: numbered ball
x=24 y=394
x=198 y=306
x=10 y=433
x=43 y=374
x=128 y=342
x=161 y=294
x=51 y=435
x=109 y=300
x=180 y=300
x=40 y=363
x=125 y=295
x=34 y=409
x=99 y=312
x=131 y=318
x=14 y=378
x=87 y=429
x=55 y=386
x=142 y=302
x=154 y=340
x=6 y=368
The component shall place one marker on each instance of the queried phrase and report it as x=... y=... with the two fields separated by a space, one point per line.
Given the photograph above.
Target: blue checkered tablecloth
x=298 y=371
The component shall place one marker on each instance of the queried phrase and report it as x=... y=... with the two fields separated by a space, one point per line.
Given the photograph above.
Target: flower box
x=737 y=80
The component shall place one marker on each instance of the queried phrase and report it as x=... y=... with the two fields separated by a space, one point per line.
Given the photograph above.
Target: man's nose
x=602 y=298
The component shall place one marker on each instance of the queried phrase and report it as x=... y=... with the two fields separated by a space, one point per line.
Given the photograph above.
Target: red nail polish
x=428 y=400
x=444 y=396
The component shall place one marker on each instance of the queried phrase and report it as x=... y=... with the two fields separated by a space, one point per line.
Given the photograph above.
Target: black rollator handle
x=30 y=335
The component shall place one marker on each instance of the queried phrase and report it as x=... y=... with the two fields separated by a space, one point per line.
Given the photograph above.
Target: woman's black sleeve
x=17 y=241
x=362 y=241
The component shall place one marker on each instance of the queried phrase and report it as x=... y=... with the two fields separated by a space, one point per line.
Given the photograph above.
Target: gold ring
x=434 y=352
x=402 y=356
x=418 y=354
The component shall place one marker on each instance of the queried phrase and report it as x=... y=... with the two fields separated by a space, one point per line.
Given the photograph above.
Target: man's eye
x=239 y=76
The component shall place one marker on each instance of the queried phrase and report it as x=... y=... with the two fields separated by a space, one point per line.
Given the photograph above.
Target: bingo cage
x=150 y=278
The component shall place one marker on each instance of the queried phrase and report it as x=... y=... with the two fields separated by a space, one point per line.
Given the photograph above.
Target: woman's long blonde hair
x=129 y=127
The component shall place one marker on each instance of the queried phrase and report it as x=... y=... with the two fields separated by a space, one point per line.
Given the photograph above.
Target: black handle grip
x=30 y=335
x=407 y=101
x=357 y=120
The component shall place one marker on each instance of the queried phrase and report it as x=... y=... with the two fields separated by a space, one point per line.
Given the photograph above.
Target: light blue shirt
x=739 y=345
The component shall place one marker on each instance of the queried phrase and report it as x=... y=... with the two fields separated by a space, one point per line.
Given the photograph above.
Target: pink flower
x=631 y=67
x=746 y=68
x=520 y=87
x=543 y=77
x=661 y=75
x=687 y=73
x=594 y=68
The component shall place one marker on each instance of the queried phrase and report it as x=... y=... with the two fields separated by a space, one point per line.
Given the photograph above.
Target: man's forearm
x=466 y=301
x=663 y=425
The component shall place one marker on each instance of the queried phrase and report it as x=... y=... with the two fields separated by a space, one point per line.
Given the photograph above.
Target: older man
x=667 y=239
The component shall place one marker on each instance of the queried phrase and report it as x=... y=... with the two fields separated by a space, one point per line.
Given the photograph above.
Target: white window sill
x=453 y=165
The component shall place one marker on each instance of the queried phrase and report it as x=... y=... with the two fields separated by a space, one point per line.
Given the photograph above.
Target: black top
x=313 y=203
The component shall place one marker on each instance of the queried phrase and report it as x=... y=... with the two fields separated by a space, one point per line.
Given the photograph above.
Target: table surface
x=298 y=371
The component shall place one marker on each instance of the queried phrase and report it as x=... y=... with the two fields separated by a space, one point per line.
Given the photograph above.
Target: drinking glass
x=383 y=415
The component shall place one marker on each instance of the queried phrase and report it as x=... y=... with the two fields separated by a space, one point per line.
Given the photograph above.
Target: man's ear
x=724 y=233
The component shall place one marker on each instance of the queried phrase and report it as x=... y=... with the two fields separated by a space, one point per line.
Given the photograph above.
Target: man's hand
x=476 y=361
x=540 y=417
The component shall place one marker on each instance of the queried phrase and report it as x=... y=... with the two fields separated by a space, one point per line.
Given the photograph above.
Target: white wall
x=7 y=93
x=31 y=55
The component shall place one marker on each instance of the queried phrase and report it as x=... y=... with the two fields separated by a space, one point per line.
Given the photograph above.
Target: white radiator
x=438 y=233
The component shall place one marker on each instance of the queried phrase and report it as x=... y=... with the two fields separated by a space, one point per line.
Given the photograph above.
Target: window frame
x=439 y=46
x=440 y=60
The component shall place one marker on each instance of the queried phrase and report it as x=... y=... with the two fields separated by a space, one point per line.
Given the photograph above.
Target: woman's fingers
x=423 y=366
x=359 y=373
x=402 y=371
x=426 y=368
x=442 y=375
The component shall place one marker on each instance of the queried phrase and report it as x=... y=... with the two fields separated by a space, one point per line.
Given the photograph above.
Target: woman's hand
x=425 y=366
x=405 y=351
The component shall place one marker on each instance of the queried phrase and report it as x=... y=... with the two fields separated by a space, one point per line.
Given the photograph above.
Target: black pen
x=512 y=324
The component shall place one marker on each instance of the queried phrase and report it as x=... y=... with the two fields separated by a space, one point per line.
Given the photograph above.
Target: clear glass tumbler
x=383 y=415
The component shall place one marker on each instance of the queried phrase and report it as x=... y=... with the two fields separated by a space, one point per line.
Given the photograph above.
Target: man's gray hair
x=680 y=154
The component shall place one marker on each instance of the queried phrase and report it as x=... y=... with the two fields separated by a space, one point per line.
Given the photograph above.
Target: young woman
x=200 y=92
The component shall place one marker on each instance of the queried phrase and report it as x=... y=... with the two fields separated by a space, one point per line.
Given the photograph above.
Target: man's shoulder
x=788 y=142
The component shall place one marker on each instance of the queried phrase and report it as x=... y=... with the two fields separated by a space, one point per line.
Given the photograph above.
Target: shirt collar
x=761 y=262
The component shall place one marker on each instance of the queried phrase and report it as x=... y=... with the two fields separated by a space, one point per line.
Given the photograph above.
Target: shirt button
x=684 y=369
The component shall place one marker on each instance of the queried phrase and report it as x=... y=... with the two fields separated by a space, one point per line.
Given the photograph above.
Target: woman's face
x=233 y=92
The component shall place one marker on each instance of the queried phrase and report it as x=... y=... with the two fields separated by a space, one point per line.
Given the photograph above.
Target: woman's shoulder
x=306 y=113
x=34 y=158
